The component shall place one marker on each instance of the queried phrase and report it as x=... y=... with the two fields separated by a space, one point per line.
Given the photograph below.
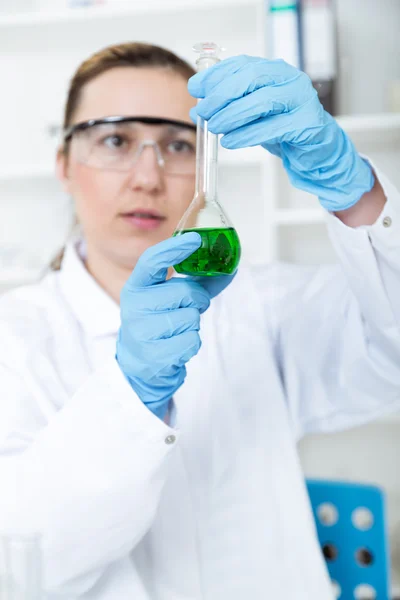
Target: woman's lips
x=145 y=220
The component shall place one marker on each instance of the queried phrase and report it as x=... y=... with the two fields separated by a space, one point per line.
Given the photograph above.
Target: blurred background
x=350 y=49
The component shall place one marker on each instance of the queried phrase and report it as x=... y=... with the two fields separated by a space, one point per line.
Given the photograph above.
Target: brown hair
x=129 y=54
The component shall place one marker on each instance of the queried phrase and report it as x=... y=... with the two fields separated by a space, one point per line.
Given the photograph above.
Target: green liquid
x=219 y=253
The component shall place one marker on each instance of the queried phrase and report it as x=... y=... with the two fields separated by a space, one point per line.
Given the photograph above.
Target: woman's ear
x=62 y=169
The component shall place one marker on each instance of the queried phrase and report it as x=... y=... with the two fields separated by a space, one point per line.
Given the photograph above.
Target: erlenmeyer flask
x=219 y=253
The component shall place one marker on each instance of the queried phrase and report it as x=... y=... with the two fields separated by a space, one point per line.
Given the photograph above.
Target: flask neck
x=207 y=162
x=206 y=61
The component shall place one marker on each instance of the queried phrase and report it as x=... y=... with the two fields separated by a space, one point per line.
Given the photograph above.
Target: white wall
x=369 y=51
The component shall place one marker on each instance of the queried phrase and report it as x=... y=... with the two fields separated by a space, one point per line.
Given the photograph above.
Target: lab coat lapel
x=96 y=311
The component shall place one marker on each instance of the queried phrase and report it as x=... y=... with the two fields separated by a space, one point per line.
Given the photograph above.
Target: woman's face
x=122 y=212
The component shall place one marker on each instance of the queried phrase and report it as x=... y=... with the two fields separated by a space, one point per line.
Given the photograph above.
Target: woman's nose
x=147 y=168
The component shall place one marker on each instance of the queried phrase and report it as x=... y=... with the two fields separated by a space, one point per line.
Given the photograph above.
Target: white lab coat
x=213 y=507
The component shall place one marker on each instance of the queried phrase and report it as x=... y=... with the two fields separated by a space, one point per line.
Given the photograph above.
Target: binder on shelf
x=319 y=41
x=303 y=33
x=284 y=31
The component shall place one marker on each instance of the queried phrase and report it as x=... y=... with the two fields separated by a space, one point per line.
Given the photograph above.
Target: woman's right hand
x=160 y=322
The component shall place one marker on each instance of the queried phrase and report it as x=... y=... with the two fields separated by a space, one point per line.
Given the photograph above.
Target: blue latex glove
x=160 y=321
x=256 y=101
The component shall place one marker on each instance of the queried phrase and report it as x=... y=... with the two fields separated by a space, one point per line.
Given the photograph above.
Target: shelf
x=298 y=216
x=27 y=171
x=372 y=122
x=46 y=170
x=381 y=127
x=93 y=13
x=393 y=419
x=255 y=155
x=368 y=129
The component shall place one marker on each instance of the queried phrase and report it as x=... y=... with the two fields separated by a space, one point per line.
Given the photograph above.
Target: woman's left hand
x=254 y=101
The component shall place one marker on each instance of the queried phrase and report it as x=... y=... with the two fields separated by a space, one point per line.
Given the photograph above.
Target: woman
x=140 y=496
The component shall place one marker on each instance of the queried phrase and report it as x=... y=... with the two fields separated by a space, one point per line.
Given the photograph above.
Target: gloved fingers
x=191 y=293
x=170 y=295
x=174 y=352
x=164 y=325
x=273 y=148
x=250 y=68
x=238 y=85
x=204 y=81
x=214 y=285
x=193 y=114
x=163 y=386
x=265 y=102
x=152 y=267
x=257 y=95
x=254 y=134
x=298 y=126
x=151 y=360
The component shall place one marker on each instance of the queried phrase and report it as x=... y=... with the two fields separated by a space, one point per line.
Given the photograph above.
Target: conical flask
x=219 y=253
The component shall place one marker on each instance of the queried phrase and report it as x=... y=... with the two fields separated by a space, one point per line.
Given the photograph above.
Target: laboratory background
x=351 y=51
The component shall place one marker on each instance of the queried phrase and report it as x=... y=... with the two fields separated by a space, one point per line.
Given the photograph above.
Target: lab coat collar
x=98 y=313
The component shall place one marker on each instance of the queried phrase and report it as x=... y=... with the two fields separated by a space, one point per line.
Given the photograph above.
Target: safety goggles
x=116 y=143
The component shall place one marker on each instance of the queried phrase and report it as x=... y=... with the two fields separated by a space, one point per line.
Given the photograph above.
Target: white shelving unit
x=122 y=10
x=39 y=52
x=369 y=132
x=378 y=129
x=274 y=220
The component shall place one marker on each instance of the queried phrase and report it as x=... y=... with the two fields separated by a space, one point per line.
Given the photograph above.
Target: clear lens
x=117 y=146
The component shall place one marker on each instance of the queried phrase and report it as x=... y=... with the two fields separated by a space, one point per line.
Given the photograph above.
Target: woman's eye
x=114 y=141
x=180 y=146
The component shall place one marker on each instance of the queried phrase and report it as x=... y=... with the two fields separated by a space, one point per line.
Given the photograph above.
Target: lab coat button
x=387 y=221
x=170 y=439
